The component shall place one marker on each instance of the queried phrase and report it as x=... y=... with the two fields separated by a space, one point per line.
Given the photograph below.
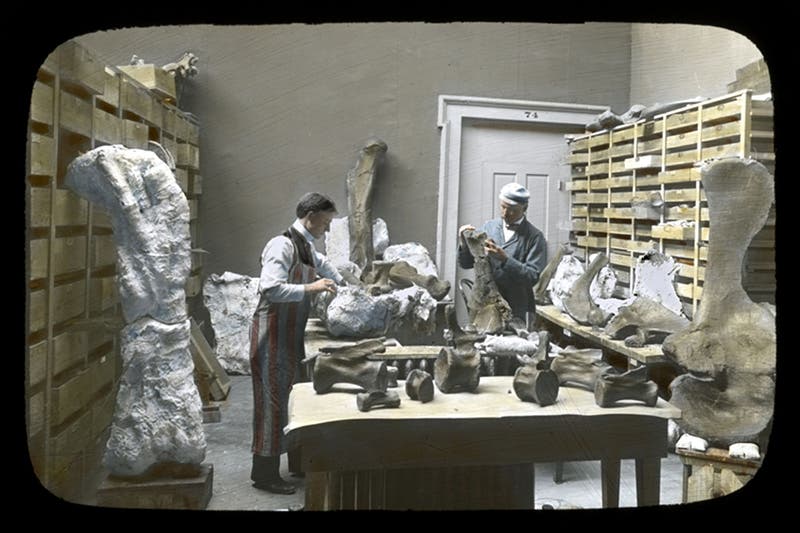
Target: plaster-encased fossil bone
x=488 y=310
x=622 y=389
x=644 y=321
x=158 y=414
x=540 y=292
x=579 y=304
x=360 y=185
x=729 y=349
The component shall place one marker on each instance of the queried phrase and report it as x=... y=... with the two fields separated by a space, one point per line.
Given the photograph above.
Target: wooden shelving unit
x=612 y=170
x=73 y=314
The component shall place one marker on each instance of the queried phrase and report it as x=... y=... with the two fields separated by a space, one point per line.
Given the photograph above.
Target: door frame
x=452 y=112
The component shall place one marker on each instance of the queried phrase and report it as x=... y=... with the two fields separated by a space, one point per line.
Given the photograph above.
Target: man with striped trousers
x=291 y=271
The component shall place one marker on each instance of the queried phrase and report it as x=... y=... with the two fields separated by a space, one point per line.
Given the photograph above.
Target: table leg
x=558 y=475
x=609 y=475
x=316 y=491
x=648 y=481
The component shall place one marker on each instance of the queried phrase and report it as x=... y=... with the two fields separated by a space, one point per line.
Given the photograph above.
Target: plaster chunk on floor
x=567 y=273
x=655 y=274
x=231 y=300
x=414 y=254
x=337 y=240
x=158 y=416
x=150 y=218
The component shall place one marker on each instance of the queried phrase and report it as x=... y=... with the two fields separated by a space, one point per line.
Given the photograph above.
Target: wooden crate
x=188 y=156
x=195 y=184
x=42 y=103
x=107 y=127
x=154 y=78
x=37 y=364
x=69 y=350
x=182 y=177
x=135 y=99
x=79 y=65
x=69 y=209
x=713 y=473
x=111 y=83
x=134 y=134
x=75 y=114
x=42 y=155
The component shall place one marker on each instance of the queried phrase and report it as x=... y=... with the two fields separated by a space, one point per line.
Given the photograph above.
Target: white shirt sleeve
x=326 y=269
x=276 y=259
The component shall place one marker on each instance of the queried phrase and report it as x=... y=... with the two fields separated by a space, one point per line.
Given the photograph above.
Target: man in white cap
x=517 y=251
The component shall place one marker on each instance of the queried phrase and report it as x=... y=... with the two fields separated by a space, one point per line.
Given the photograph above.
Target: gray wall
x=285 y=108
x=678 y=61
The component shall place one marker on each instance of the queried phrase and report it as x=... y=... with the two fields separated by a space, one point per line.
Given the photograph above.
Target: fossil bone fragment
x=457 y=368
x=644 y=321
x=579 y=304
x=534 y=381
x=419 y=385
x=372 y=399
x=621 y=389
x=349 y=364
x=579 y=368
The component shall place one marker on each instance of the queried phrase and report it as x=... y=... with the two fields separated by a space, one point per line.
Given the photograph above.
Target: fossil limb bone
x=360 y=181
x=729 y=348
x=488 y=310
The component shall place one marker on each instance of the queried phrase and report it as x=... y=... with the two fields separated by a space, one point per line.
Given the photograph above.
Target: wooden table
x=467 y=450
x=647 y=354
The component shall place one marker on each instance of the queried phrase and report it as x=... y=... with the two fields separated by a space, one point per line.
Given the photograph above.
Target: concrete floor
x=229 y=451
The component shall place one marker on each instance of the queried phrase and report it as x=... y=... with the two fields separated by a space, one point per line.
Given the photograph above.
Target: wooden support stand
x=713 y=473
x=159 y=493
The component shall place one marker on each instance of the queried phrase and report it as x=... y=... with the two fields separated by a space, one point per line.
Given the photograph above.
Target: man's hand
x=495 y=251
x=321 y=285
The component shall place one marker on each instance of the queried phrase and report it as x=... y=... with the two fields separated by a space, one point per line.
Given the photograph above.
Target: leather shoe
x=275 y=487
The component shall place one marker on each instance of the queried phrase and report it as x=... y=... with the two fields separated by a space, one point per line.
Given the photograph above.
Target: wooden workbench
x=466 y=450
x=648 y=354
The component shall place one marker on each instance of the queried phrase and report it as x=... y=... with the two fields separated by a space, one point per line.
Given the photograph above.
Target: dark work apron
x=276 y=349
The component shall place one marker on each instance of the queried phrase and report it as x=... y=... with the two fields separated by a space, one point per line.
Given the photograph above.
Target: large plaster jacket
x=527 y=257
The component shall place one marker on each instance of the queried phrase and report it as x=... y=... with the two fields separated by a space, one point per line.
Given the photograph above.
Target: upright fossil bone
x=729 y=348
x=621 y=389
x=488 y=310
x=534 y=381
x=579 y=304
x=457 y=367
x=360 y=185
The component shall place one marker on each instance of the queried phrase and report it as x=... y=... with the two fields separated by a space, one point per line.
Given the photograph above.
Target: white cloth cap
x=514 y=194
